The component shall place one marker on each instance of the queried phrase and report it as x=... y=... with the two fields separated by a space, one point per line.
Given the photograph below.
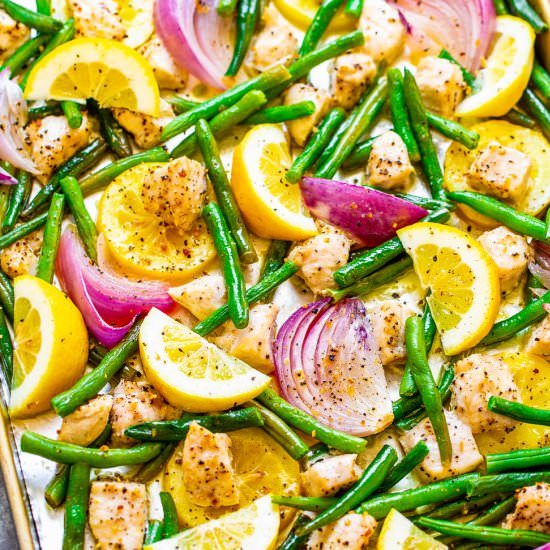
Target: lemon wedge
x=507 y=73
x=301 y=13
x=50 y=346
x=462 y=280
x=272 y=207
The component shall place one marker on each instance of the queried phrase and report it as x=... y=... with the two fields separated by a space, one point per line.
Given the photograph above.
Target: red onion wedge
x=327 y=365
x=6 y=178
x=540 y=267
x=368 y=216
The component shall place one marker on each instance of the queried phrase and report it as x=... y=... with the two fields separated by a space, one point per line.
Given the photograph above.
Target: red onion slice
x=6 y=178
x=540 y=268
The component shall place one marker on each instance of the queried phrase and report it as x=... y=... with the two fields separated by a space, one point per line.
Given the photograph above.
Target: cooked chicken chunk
x=539 y=341
x=353 y=72
x=168 y=74
x=389 y=165
x=201 y=296
x=21 y=257
x=207 y=468
x=97 y=19
x=499 y=171
x=330 y=475
x=117 y=514
x=52 y=142
x=12 y=35
x=511 y=254
x=532 y=511
x=176 y=193
x=320 y=256
x=84 y=425
x=441 y=84
x=477 y=378
x=466 y=455
x=351 y=532
x=301 y=128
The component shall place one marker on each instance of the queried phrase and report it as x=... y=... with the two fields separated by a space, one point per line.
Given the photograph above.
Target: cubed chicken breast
x=330 y=475
x=52 y=141
x=532 y=512
x=118 y=514
x=97 y=19
x=477 y=378
x=12 y=35
x=466 y=456
x=201 y=296
x=539 y=341
x=351 y=532
x=388 y=328
x=320 y=256
x=176 y=193
x=353 y=72
x=169 y=75
x=511 y=254
x=441 y=84
x=21 y=257
x=389 y=165
x=84 y=425
x=208 y=471
x=502 y=172
x=301 y=128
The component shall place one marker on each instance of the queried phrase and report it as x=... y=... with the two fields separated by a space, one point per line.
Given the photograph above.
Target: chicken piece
x=86 y=424
x=301 y=128
x=117 y=514
x=145 y=129
x=52 y=141
x=441 y=84
x=353 y=72
x=97 y=19
x=388 y=329
x=207 y=468
x=351 y=532
x=511 y=254
x=320 y=256
x=169 y=75
x=466 y=456
x=532 y=512
x=389 y=165
x=502 y=172
x=12 y=35
x=253 y=344
x=21 y=257
x=477 y=378
x=330 y=475
x=539 y=341
x=176 y=193
x=134 y=404
x=201 y=296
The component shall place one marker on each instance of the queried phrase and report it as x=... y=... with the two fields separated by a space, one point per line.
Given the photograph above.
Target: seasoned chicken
x=21 y=257
x=351 y=532
x=441 y=84
x=466 y=455
x=169 y=75
x=84 y=425
x=52 y=142
x=389 y=165
x=207 y=468
x=511 y=254
x=176 y=192
x=201 y=296
x=532 y=512
x=330 y=475
x=301 y=128
x=12 y=35
x=502 y=172
x=353 y=72
x=97 y=19
x=539 y=341
x=117 y=514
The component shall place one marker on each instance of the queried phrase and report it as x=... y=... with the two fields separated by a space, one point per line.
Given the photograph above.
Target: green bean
x=253 y=295
x=319 y=24
x=421 y=129
x=153 y=468
x=522 y=459
x=154 y=531
x=84 y=222
x=405 y=466
x=176 y=430
x=24 y=54
x=316 y=453
x=248 y=16
x=282 y=113
x=50 y=109
x=515 y=116
x=354 y=8
x=7 y=299
x=379 y=256
x=42 y=23
x=90 y=384
x=22 y=230
x=50 y=243
x=468 y=77
x=453 y=130
x=311 y=504
x=113 y=133
x=182 y=104
x=76 y=507
x=462 y=507
x=19 y=195
x=275 y=257
x=519 y=411
x=6 y=349
x=337 y=135
x=538 y=109
x=505 y=483
x=72 y=113
x=310 y=425
x=360 y=155
x=500 y=7
x=293 y=541
x=495 y=513
x=523 y=9
x=170 y=522
x=399 y=114
x=541 y=79
x=44 y=7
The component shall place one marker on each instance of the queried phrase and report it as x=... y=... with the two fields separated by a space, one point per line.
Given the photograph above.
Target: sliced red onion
x=540 y=268
x=6 y=178
x=327 y=365
x=544 y=547
x=368 y=216
x=197 y=37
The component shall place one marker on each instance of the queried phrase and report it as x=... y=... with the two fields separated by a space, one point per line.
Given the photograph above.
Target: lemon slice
x=272 y=207
x=137 y=18
x=106 y=70
x=50 y=345
x=140 y=242
x=507 y=72
x=190 y=372
x=462 y=279
x=398 y=533
x=252 y=528
x=301 y=13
